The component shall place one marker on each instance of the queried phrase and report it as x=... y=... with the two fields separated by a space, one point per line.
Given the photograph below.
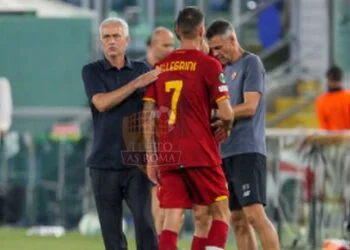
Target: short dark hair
x=219 y=27
x=188 y=20
x=334 y=74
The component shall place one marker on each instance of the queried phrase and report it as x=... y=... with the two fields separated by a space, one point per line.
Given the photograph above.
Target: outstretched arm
x=149 y=140
x=105 y=101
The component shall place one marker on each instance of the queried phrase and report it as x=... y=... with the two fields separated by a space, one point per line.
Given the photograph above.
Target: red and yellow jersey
x=333 y=110
x=188 y=88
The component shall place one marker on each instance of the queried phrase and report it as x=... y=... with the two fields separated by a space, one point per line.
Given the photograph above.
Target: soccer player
x=159 y=45
x=243 y=153
x=191 y=84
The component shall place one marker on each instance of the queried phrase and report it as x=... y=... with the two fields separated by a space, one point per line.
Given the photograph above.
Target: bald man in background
x=159 y=45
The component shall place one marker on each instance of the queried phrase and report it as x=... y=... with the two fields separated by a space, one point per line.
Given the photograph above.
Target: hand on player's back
x=148 y=78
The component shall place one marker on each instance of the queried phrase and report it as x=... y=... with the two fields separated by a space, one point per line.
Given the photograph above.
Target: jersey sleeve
x=254 y=76
x=150 y=94
x=215 y=80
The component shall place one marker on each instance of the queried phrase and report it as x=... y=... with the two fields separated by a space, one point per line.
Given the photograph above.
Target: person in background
x=159 y=45
x=333 y=107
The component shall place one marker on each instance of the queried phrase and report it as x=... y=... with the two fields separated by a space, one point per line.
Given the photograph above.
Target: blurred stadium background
x=44 y=44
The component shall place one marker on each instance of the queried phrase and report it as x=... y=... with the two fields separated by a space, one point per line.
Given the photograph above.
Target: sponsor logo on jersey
x=223 y=88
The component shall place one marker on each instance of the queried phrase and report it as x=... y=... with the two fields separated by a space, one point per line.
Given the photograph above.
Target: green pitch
x=16 y=239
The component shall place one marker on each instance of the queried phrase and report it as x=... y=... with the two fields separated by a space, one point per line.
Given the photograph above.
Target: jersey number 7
x=176 y=87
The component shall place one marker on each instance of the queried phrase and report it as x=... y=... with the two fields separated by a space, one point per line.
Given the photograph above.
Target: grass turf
x=12 y=238
x=16 y=239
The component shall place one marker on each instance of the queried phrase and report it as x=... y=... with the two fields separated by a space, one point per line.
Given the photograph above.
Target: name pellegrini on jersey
x=179 y=66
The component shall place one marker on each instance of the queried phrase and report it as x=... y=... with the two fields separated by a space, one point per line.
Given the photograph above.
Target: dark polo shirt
x=109 y=139
x=144 y=59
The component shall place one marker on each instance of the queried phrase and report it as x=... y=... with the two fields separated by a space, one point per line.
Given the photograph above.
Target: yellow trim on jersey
x=221 y=198
x=149 y=99
x=222 y=98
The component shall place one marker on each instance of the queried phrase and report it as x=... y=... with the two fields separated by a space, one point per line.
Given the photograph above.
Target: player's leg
x=172 y=227
x=218 y=232
x=138 y=198
x=202 y=221
x=208 y=187
x=174 y=199
x=249 y=180
x=244 y=232
x=157 y=212
x=106 y=186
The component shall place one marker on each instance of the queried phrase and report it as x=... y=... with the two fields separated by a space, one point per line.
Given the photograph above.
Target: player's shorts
x=182 y=188
x=246 y=178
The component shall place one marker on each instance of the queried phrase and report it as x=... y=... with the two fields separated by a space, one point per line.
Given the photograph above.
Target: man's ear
x=232 y=38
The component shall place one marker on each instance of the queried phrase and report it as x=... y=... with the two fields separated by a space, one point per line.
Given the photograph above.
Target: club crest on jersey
x=233 y=76
x=222 y=78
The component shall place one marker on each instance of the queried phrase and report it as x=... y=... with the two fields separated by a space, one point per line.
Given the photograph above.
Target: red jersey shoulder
x=166 y=58
x=171 y=56
x=191 y=54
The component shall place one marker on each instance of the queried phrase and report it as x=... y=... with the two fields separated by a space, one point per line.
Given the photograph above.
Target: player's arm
x=225 y=114
x=104 y=101
x=149 y=139
x=148 y=123
x=149 y=129
x=222 y=120
x=253 y=88
x=215 y=80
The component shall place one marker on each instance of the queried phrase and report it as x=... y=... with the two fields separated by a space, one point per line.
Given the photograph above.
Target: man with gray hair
x=244 y=151
x=114 y=87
